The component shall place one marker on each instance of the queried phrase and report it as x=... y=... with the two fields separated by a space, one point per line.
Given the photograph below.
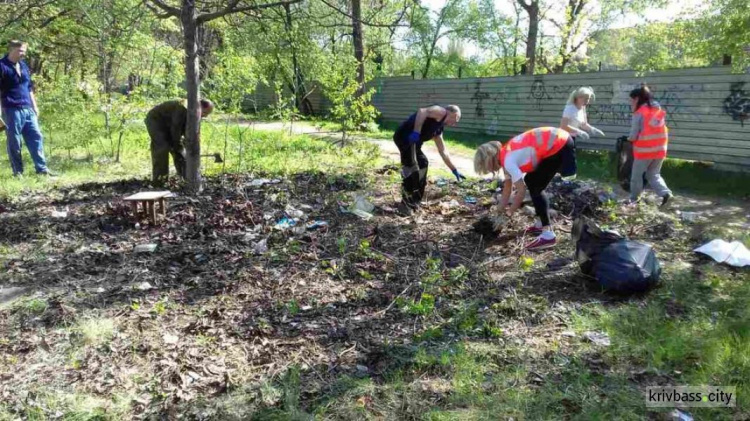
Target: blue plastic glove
x=414 y=138
x=458 y=175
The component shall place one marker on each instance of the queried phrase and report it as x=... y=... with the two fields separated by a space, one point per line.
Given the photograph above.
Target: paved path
x=464 y=163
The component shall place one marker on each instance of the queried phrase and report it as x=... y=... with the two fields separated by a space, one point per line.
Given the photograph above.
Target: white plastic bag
x=733 y=254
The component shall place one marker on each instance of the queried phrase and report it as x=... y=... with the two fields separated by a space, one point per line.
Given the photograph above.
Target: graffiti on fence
x=670 y=98
x=539 y=93
x=737 y=104
x=478 y=97
x=614 y=114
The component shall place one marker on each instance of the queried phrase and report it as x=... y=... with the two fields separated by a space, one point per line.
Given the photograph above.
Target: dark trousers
x=162 y=145
x=538 y=180
x=414 y=165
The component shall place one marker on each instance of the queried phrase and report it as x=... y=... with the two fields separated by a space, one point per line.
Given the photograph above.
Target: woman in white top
x=574 y=115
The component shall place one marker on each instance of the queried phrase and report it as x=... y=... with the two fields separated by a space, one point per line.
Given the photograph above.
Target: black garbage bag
x=624 y=154
x=618 y=264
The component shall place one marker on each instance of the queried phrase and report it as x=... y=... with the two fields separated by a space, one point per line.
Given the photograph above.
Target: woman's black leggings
x=538 y=180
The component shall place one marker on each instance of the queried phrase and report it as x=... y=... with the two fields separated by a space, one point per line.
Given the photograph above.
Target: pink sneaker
x=541 y=243
x=533 y=230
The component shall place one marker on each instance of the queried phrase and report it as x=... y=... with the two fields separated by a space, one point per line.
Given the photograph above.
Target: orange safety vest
x=545 y=142
x=653 y=138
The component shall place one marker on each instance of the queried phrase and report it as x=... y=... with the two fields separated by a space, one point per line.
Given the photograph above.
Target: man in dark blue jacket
x=19 y=110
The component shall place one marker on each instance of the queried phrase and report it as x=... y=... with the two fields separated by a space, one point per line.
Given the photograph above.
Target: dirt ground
x=228 y=299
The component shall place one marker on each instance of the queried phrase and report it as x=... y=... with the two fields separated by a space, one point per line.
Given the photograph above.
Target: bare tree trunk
x=426 y=70
x=296 y=85
x=359 y=50
x=192 y=77
x=531 y=40
x=516 y=71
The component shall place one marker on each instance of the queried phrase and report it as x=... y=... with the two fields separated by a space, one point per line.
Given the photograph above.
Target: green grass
x=696 y=328
x=244 y=150
x=94 y=332
x=49 y=404
x=681 y=176
x=31 y=306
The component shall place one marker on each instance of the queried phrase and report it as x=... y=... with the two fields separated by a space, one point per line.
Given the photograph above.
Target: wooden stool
x=148 y=199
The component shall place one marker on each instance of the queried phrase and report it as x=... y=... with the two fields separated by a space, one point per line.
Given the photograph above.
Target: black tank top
x=430 y=128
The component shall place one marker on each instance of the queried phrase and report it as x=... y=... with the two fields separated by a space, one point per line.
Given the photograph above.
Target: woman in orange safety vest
x=530 y=160
x=650 y=136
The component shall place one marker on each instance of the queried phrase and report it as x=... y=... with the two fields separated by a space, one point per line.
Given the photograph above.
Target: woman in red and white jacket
x=650 y=137
x=529 y=160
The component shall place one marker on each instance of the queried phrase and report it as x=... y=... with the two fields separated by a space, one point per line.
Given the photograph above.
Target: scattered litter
x=690 y=216
x=284 y=224
x=293 y=212
x=313 y=225
x=144 y=286
x=361 y=207
x=441 y=182
x=450 y=205
x=171 y=339
x=249 y=237
x=362 y=214
x=60 y=214
x=528 y=210
x=679 y=415
x=569 y=334
x=261 y=246
x=145 y=248
x=361 y=203
x=733 y=254
x=597 y=338
x=260 y=182
x=470 y=200
x=299 y=230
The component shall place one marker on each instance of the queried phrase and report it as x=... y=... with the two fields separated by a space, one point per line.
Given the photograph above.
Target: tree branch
x=28 y=9
x=526 y=7
x=232 y=8
x=374 y=25
x=51 y=19
x=169 y=11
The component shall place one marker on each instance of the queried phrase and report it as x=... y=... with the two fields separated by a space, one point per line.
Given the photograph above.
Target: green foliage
x=66 y=108
x=422 y=306
x=32 y=306
x=727 y=31
x=292 y=307
x=351 y=104
x=232 y=79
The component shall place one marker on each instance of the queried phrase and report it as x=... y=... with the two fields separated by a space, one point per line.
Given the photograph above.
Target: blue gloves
x=414 y=138
x=458 y=175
